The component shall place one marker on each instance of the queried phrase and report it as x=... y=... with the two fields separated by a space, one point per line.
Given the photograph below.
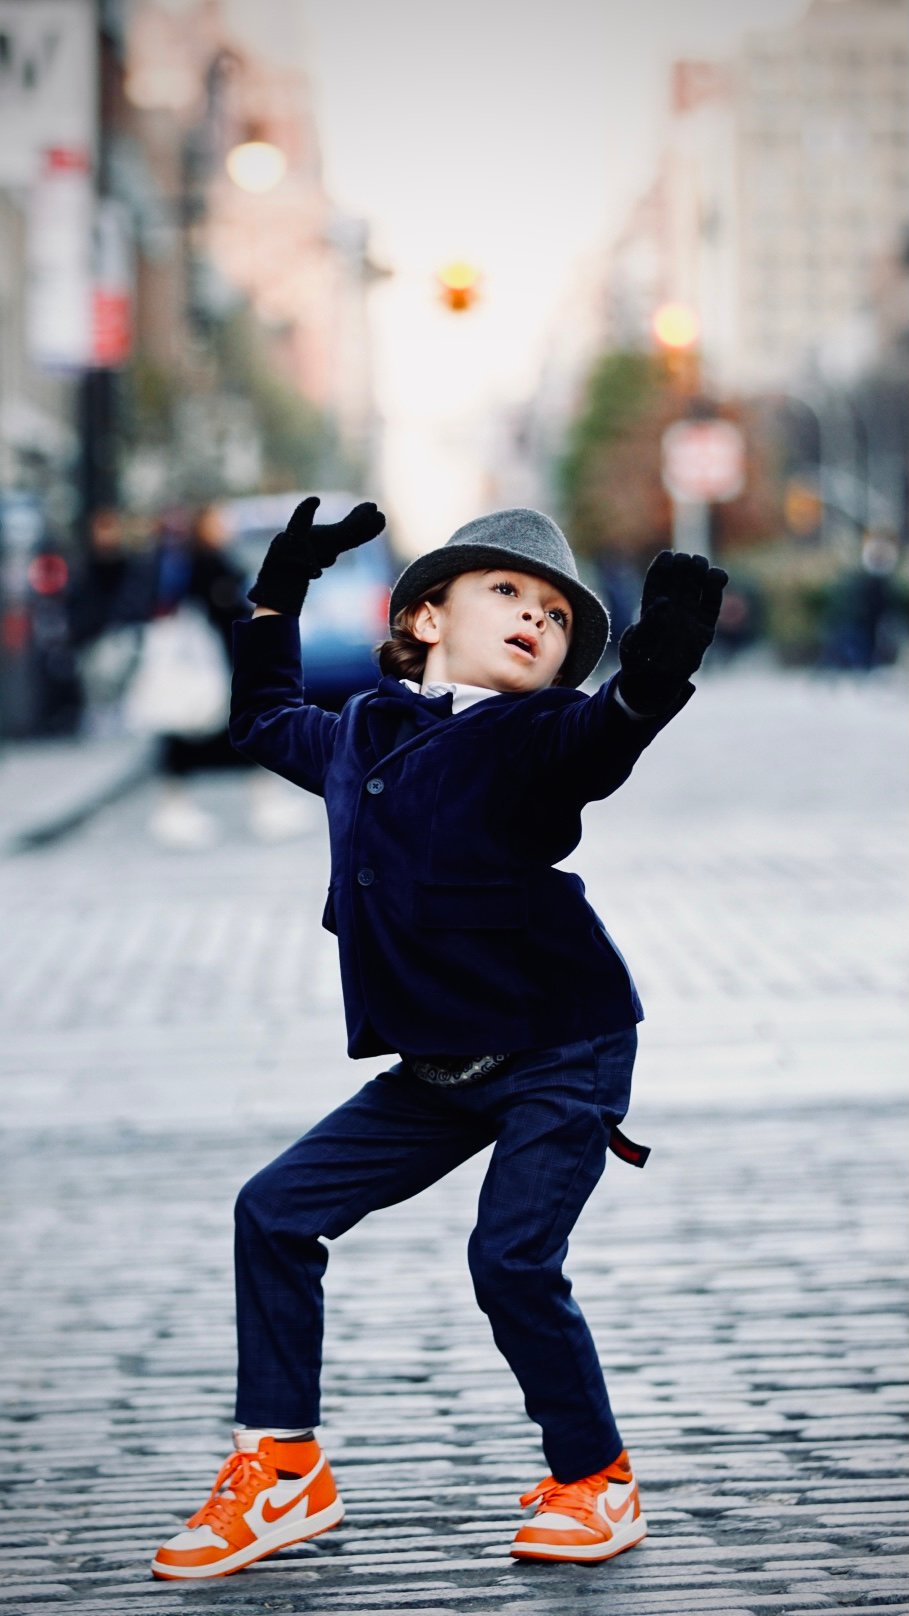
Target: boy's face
x=508 y=631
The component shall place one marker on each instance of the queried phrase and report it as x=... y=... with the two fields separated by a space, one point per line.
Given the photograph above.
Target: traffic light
x=676 y=331
x=675 y=326
x=803 y=508
x=458 y=284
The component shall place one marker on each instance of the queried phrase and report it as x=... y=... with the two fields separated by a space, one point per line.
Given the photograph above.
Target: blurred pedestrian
x=862 y=629
x=111 y=598
x=740 y=621
x=452 y=790
x=620 y=580
x=194 y=566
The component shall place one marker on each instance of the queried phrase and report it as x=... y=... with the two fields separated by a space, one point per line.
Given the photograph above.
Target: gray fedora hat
x=525 y=541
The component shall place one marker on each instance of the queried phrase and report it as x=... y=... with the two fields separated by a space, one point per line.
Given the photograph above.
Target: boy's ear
x=426 y=626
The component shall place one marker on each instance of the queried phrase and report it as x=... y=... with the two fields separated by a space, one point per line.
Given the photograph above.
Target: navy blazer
x=456 y=935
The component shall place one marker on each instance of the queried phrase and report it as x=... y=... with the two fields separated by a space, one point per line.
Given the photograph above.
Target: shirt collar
x=463 y=696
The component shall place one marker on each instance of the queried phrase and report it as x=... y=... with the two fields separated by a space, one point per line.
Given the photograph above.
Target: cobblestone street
x=169 y=1022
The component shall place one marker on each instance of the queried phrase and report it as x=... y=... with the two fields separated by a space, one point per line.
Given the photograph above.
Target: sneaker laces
x=567 y=1497
x=241 y=1476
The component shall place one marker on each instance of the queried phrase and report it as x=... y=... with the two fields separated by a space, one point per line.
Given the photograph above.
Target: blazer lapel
x=396 y=716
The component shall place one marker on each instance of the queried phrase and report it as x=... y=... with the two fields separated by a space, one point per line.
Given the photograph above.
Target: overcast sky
x=468 y=122
x=512 y=132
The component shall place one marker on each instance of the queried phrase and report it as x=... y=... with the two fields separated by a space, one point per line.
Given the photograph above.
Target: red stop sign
x=703 y=461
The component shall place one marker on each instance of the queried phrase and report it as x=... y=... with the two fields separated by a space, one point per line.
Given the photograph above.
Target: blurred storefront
x=175 y=325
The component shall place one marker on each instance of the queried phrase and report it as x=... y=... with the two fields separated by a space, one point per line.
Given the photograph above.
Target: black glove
x=300 y=553
x=680 y=605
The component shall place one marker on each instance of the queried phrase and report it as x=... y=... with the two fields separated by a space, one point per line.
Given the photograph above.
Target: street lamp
x=675 y=326
x=255 y=164
x=218 y=136
x=676 y=329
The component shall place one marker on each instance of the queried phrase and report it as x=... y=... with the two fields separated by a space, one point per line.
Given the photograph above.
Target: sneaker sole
x=591 y=1554
x=281 y=1539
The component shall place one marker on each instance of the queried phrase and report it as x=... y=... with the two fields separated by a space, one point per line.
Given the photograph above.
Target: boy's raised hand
x=680 y=605
x=302 y=551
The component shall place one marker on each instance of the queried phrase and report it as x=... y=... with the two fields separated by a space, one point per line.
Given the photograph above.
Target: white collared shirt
x=464 y=696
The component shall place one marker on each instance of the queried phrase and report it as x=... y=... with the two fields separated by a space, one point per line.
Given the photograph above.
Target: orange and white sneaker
x=251 y=1511
x=587 y=1520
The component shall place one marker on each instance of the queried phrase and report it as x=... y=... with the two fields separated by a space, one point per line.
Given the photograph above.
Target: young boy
x=452 y=790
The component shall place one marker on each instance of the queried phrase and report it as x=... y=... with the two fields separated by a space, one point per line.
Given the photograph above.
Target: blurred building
x=274 y=269
x=37 y=435
x=783 y=195
x=637 y=269
x=173 y=327
x=47 y=129
x=155 y=314
x=822 y=138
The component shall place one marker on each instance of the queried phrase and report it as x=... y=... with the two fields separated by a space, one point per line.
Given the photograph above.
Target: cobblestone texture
x=168 y=1024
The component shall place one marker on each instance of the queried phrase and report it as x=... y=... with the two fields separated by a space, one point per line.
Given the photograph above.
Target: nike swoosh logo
x=270 y=1513
x=615 y=1515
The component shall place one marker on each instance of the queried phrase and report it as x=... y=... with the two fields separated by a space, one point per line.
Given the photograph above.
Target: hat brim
x=590 y=628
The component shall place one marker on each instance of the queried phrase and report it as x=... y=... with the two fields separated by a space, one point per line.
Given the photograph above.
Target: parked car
x=39 y=690
x=346 y=611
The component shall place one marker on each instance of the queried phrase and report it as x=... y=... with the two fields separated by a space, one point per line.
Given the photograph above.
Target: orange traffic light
x=458 y=284
x=675 y=326
x=676 y=329
x=803 y=508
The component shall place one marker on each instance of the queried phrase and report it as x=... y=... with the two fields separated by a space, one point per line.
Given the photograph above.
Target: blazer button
x=374 y=786
x=366 y=877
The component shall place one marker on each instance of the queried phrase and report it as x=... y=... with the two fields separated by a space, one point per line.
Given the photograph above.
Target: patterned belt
x=448 y=1070
x=451 y=1069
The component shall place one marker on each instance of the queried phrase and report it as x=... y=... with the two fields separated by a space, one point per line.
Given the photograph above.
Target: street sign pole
x=691 y=526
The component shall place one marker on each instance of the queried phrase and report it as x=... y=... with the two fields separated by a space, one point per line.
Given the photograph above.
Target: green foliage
x=608 y=476
x=805 y=591
x=618 y=389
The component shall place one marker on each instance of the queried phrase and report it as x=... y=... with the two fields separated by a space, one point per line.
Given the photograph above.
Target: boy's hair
x=403 y=656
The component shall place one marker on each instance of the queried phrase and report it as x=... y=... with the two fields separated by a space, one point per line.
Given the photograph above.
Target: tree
x=613 y=499
x=609 y=475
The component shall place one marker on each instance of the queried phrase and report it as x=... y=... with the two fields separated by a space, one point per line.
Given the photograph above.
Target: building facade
x=782 y=200
x=822 y=184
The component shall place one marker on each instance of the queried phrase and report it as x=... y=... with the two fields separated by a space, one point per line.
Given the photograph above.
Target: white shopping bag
x=182 y=684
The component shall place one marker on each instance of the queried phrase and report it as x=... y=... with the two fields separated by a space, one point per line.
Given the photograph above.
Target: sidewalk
x=48 y=788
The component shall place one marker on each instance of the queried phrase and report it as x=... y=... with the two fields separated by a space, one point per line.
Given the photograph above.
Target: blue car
x=346 y=610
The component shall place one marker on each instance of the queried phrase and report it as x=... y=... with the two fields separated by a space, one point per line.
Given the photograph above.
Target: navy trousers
x=549 y=1114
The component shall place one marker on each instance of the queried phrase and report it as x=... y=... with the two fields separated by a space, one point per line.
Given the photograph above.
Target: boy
x=452 y=790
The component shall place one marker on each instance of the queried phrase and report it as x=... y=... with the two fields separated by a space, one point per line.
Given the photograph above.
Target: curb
x=51 y=826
